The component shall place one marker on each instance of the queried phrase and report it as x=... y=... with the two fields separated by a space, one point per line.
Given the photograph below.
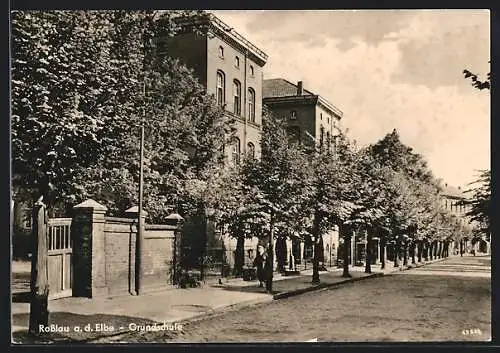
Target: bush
x=189 y=280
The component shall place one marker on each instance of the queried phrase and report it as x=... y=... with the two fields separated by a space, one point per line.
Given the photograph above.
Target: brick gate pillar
x=89 y=258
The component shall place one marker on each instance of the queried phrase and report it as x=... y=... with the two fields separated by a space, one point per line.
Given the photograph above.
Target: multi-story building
x=311 y=120
x=452 y=201
x=310 y=117
x=230 y=67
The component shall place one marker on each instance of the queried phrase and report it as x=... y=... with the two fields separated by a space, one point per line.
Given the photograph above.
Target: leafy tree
x=331 y=194
x=83 y=81
x=275 y=185
x=480 y=203
x=476 y=82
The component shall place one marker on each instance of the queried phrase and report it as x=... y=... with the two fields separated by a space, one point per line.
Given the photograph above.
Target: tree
x=275 y=185
x=82 y=82
x=480 y=203
x=332 y=195
x=476 y=82
x=409 y=182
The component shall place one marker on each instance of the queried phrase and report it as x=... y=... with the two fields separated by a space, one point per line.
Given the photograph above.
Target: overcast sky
x=389 y=69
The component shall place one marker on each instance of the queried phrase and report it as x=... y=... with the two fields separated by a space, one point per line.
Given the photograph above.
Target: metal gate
x=60 y=250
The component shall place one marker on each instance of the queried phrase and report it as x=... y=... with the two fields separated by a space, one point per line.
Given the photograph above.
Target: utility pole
x=140 y=231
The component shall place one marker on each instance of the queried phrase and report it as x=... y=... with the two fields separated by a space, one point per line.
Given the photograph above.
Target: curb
x=321 y=286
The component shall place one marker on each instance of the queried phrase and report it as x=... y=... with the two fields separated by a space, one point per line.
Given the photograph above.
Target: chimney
x=300 y=88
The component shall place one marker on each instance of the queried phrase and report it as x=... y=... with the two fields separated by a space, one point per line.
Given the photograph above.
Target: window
x=236 y=151
x=321 y=116
x=251 y=150
x=322 y=136
x=251 y=105
x=237 y=97
x=328 y=139
x=293 y=134
x=221 y=88
x=252 y=73
x=293 y=115
x=237 y=62
x=328 y=120
x=221 y=52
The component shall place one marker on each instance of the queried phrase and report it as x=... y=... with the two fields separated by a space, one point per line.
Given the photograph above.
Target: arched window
x=221 y=88
x=251 y=105
x=251 y=150
x=237 y=97
x=221 y=52
x=236 y=151
x=252 y=73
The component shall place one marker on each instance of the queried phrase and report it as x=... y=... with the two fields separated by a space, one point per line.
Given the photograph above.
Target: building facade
x=229 y=67
x=310 y=118
x=452 y=201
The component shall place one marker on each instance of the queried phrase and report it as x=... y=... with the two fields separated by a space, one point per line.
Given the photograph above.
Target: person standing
x=258 y=263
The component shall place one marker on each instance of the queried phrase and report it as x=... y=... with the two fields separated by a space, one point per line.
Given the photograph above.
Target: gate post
x=89 y=258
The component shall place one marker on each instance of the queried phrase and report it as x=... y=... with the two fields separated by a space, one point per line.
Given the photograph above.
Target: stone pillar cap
x=135 y=210
x=91 y=204
x=175 y=216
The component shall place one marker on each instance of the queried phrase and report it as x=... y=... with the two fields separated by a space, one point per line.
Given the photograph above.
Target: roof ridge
x=289 y=82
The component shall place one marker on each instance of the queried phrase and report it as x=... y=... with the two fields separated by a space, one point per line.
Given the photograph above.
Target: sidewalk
x=112 y=316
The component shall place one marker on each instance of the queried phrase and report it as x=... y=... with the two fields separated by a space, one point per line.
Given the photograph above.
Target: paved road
x=445 y=301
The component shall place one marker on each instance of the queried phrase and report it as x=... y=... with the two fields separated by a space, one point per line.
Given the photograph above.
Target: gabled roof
x=279 y=87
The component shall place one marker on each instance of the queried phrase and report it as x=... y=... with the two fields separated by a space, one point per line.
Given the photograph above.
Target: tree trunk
x=368 y=261
x=419 y=250
x=461 y=247
x=405 y=253
x=347 y=248
x=204 y=225
x=397 y=250
x=382 y=252
x=426 y=250
x=317 y=222
x=413 y=248
x=269 y=259
x=239 y=260
x=39 y=312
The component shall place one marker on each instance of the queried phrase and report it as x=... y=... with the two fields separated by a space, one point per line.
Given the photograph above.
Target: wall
x=120 y=242
x=231 y=72
x=305 y=118
x=191 y=50
x=104 y=253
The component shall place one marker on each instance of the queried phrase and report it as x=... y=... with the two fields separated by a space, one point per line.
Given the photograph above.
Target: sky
x=388 y=69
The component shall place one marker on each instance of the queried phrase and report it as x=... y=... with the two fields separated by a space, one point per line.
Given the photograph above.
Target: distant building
x=452 y=201
x=309 y=116
x=230 y=67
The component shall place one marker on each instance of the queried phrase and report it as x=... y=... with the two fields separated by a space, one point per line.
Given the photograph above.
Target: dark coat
x=259 y=263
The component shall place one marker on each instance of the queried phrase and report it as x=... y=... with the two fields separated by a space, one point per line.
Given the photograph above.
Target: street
x=444 y=301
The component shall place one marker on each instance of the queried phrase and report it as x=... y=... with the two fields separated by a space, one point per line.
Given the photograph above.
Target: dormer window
x=221 y=52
